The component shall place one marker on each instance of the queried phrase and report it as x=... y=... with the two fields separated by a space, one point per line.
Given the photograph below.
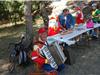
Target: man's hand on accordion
x=47 y=61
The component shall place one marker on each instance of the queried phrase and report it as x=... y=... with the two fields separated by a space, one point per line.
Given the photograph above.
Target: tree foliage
x=14 y=10
x=42 y=9
x=3 y=11
x=11 y=10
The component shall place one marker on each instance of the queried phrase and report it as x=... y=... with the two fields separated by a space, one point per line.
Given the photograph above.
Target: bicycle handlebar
x=17 y=43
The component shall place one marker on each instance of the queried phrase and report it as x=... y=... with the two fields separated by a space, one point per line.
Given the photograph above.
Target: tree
x=15 y=10
x=3 y=12
x=11 y=11
x=28 y=21
x=41 y=8
x=45 y=10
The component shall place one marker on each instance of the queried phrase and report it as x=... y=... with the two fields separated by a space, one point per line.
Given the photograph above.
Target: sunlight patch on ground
x=18 y=35
x=7 y=34
x=10 y=24
x=3 y=65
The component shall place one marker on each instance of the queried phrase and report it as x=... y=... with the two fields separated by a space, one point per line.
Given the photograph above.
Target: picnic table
x=67 y=38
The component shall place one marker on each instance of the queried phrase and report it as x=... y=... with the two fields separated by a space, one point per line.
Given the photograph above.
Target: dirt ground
x=85 y=57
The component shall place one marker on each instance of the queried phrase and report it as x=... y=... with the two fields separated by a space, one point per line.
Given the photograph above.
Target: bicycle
x=17 y=55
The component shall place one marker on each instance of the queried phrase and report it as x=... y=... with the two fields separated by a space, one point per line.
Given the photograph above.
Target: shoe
x=61 y=67
x=67 y=62
x=94 y=37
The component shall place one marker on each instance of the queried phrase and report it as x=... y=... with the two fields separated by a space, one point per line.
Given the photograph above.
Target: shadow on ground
x=85 y=57
x=11 y=35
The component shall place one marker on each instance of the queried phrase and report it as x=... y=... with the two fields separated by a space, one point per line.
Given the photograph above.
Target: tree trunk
x=28 y=20
x=45 y=17
x=44 y=13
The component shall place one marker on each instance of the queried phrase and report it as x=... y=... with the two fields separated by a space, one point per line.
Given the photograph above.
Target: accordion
x=54 y=54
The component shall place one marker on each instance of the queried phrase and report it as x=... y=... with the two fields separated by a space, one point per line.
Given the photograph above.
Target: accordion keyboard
x=49 y=57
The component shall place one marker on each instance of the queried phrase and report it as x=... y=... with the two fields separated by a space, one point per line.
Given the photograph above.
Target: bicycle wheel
x=22 y=57
x=11 y=67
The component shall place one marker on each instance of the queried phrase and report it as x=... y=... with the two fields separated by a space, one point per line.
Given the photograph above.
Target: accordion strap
x=42 y=43
x=39 y=42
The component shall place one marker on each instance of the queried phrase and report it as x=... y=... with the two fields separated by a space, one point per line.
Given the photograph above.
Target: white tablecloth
x=76 y=32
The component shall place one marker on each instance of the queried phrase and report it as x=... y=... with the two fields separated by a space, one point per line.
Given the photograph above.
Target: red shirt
x=37 y=56
x=52 y=31
x=39 y=60
x=79 y=18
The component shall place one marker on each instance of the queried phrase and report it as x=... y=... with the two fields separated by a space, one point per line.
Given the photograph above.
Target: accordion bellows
x=55 y=54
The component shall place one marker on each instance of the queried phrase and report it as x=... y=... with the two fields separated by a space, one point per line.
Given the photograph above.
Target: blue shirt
x=69 y=22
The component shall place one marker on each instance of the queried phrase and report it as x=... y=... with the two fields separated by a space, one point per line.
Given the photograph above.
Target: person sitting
x=96 y=15
x=38 y=56
x=79 y=21
x=79 y=16
x=96 y=19
x=54 y=27
x=66 y=19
